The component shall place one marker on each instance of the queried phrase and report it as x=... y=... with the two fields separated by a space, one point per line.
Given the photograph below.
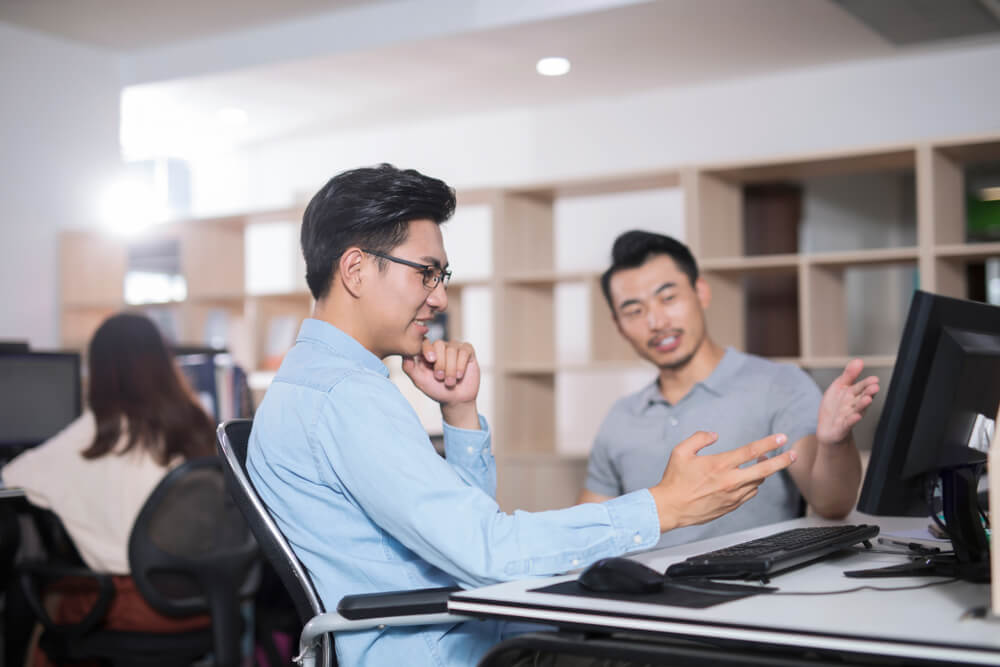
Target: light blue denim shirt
x=343 y=464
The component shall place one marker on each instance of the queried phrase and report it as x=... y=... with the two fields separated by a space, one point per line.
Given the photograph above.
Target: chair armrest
x=396 y=603
x=424 y=606
x=32 y=577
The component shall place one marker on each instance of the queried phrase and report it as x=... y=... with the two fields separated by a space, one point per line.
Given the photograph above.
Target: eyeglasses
x=432 y=275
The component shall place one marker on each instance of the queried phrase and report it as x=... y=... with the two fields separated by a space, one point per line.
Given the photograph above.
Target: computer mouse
x=620 y=575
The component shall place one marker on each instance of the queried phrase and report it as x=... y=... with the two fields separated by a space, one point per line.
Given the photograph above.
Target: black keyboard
x=766 y=556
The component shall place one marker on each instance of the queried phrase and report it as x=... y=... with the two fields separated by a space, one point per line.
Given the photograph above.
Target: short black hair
x=369 y=207
x=632 y=248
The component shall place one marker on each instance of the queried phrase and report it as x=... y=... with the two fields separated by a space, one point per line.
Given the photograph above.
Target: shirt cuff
x=634 y=520
x=462 y=444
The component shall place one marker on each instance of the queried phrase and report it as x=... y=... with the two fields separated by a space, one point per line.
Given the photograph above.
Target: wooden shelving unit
x=526 y=367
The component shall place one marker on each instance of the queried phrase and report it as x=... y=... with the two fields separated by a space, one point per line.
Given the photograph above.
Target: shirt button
x=673 y=421
x=470 y=449
x=575 y=562
x=637 y=539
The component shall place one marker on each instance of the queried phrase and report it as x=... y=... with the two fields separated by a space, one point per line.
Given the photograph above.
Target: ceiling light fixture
x=553 y=66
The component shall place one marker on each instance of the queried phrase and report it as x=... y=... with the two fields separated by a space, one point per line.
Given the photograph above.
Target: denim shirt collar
x=324 y=333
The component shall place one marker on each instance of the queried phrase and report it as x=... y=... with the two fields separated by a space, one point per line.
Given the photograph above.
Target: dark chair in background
x=355 y=612
x=190 y=553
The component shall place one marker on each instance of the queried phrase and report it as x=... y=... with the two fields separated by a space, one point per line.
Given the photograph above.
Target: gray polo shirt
x=744 y=399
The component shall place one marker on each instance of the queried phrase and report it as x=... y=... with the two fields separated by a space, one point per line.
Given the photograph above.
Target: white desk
x=927 y=623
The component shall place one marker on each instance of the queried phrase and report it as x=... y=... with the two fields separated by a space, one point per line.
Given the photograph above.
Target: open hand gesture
x=844 y=403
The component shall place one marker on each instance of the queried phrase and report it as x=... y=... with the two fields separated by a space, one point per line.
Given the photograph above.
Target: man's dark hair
x=369 y=207
x=634 y=247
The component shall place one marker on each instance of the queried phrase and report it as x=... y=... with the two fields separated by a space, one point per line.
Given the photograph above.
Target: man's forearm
x=835 y=478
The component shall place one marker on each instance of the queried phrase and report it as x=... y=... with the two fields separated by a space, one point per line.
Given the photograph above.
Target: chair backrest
x=191 y=552
x=234 y=436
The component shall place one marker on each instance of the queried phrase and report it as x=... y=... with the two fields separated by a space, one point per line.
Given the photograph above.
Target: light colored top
x=97 y=500
x=744 y=399
x=342 y=463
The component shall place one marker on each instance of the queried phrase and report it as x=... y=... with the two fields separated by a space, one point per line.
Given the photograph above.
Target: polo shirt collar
x=324 y=333
x=716 y=382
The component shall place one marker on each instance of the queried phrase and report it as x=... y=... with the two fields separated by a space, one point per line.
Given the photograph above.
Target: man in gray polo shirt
x=658 y=303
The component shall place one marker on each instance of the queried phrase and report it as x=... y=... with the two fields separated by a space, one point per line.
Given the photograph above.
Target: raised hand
x=696 y=489
x=448 y=372
x=844 y=403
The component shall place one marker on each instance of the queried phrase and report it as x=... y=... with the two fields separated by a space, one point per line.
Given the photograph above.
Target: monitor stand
x=960 y=506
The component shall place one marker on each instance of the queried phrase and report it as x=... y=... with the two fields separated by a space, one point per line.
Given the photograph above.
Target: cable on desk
x=775 y=591
x=870 y=588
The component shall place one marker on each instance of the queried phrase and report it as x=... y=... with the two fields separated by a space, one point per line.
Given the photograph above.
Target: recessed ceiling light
x=554 y=66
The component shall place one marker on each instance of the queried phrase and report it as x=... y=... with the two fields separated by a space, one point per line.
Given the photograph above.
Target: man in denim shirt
x=346 y=469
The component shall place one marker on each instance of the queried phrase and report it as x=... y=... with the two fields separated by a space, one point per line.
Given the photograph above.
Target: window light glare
x=233 y=116
x=553 y=66
x=129 y=206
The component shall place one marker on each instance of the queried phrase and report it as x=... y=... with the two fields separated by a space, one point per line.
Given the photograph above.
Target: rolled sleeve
x=469 y=453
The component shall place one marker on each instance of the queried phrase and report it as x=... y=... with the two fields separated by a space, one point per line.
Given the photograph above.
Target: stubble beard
x=684 y=361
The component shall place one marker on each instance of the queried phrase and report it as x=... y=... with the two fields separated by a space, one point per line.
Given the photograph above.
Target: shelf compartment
x=525 y=329
x=854 y=310
x=522 y=234
x=539 y=482
x=756 y=308
x=106 y=260
x=526 y=413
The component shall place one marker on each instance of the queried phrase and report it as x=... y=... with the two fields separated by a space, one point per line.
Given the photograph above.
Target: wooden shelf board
x=875 y=256
x=93 y=305
x=544 y=277
x=281 y=296
x=972 y=150
x=838 y=362
x=540 y=456
x=968 y=250
x=459 y=283
x=895 y=158
x=607 y=185
x=751 y=263
x=528 y=368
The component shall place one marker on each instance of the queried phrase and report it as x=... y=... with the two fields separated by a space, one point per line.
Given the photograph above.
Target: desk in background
x=923 y=624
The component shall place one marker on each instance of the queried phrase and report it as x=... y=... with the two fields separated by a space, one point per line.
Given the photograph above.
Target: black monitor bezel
x=74 y=357
x=928 y=316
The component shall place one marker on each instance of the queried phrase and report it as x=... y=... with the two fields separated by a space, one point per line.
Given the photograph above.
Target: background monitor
x=945 y=387
x=39 y=396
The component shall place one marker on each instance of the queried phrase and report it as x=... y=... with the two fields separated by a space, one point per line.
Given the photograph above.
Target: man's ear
x=704 y=292
x=350 y=270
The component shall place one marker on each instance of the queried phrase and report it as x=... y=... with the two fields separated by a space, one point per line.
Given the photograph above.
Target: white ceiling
x=308 y=65
x=126 y=25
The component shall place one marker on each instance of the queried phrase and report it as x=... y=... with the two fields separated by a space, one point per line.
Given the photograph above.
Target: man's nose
x=438 y=298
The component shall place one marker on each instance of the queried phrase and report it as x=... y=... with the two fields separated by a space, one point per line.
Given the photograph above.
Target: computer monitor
x=945 y=385
x=39 y=396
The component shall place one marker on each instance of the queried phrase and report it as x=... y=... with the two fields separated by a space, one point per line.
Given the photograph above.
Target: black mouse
x=621 y=575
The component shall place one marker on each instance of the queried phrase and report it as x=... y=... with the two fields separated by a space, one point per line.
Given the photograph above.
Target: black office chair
x=190 y=553
x=354 y=612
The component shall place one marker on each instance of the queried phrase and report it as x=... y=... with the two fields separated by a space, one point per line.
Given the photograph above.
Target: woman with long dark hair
x=96 y=474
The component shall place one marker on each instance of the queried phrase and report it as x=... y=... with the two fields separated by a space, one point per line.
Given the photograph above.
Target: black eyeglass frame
x=435 y=275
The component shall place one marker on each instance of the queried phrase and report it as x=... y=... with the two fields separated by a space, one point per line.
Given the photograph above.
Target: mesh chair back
x=233 y=437
x=191 y=552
